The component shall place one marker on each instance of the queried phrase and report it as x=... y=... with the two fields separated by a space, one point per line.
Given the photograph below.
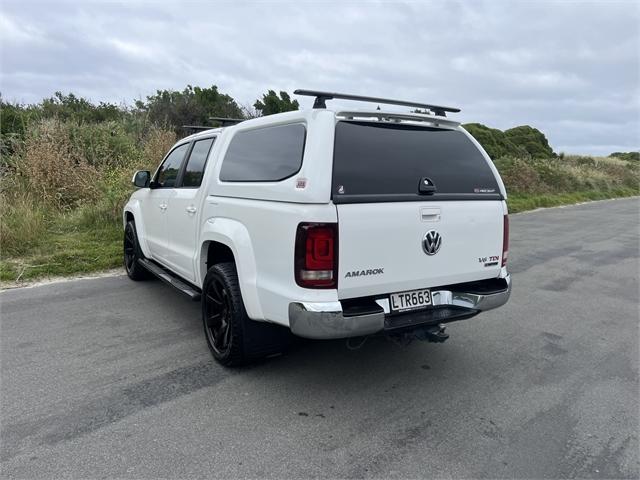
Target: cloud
x=570 y=69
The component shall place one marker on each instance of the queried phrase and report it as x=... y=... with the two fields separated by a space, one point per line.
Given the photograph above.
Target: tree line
x=169 y=109
x=172 y=109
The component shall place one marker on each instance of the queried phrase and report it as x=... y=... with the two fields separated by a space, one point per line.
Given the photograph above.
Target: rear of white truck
x=422 y=233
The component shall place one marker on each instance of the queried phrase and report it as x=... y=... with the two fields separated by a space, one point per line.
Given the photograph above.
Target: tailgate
x=400 y=189
x=382 y=245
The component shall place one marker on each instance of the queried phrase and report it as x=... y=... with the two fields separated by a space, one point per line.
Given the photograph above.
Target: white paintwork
x=258 y=222
x=388 y=236
x=182 y=215
x=261 y=235
x=316 y=164
x=153 y=208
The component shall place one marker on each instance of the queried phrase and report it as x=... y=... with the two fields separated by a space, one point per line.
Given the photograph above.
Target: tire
x=233 y=338
x=132 y=253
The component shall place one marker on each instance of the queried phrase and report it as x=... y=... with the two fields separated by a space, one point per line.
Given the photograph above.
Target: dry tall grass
x=156 y=145
x=23 y=224
x=73 y=174
x=55 y=171
x=568 y=174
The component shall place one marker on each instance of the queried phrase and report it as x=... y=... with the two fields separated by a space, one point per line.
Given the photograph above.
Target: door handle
x=430 y=214
x=191 y=209
x=163 y=206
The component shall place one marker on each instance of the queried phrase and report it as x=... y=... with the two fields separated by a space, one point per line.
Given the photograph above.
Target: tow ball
x=428 y=333
x=435 y=334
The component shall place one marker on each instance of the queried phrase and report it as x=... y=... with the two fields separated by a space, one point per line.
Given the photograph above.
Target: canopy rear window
x=376 y=162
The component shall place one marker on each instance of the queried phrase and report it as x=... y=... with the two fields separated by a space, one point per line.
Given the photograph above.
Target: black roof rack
x=321 y=97
x=196 y=127
x=225 y=122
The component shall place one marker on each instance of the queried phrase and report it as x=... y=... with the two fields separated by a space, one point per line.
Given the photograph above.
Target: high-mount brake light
x=505 y=240
x=316 y=255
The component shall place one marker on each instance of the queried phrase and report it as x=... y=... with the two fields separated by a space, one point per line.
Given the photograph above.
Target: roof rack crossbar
x=227 y=121
x=322 y=97
x=224 y=122
x=196 y=127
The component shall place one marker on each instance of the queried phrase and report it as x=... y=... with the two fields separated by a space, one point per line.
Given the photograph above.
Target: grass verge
x=65 y=248
x=520 y=202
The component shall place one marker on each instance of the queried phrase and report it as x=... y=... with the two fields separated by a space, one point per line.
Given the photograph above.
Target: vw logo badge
x=431 y=242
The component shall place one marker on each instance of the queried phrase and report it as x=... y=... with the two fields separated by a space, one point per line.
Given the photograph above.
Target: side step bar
x=170 y=279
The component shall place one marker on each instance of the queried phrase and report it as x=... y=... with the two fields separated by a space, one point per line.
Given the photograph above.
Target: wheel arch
x=131 y=212
x=227 y=240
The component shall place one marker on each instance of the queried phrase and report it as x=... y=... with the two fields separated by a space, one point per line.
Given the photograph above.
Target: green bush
x=531 y=139
x=523 y=141
x=629 y=156
x=104 y=145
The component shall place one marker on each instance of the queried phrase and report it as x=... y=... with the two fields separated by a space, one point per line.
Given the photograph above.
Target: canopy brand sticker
x=484 y=190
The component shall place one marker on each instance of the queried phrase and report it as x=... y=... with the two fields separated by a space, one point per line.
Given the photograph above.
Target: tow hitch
x=427 y=333
x=434 y=333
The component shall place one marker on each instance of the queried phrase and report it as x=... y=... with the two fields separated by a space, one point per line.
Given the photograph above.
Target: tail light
x=316 y=255
x=505 y=241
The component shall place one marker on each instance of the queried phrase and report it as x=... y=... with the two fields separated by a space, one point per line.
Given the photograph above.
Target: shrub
x=55 y=171
x=192 y=106
x=157 y=144
x=522 y=141
x=519 y=175
x=531 y=139
x=103 y=145
x=629 y=156
x=571 y=174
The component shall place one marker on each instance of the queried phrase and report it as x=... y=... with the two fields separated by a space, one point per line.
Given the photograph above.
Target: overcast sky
x=571 y=69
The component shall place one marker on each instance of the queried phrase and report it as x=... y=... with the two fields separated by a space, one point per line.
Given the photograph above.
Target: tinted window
x=264 y=155
x=196 y=163
x=372 y=161
x=168 y=171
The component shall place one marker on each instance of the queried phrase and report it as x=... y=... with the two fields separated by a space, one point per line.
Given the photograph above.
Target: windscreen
x=377 y=162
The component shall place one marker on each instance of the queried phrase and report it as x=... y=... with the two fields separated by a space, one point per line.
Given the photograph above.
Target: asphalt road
x=111 y=378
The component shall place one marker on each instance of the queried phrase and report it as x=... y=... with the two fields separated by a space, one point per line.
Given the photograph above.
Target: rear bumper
x=326 y=320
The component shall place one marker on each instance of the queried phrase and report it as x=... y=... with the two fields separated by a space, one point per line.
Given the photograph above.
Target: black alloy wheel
x=233 y=338
x=217 y=317
x=132 y=253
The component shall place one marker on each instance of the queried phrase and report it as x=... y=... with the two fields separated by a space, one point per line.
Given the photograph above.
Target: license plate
x=412 y=300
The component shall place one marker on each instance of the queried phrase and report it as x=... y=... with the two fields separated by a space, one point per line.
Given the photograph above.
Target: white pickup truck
x=325 y=224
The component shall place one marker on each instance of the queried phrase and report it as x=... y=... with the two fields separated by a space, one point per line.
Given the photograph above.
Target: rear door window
x=385 y=162
x=197 y=161
x=264 y=155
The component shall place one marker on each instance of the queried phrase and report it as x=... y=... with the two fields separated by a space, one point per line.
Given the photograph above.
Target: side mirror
x=141 y=178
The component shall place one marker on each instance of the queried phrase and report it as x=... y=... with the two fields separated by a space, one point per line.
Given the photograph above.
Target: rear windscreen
x=387 y=162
